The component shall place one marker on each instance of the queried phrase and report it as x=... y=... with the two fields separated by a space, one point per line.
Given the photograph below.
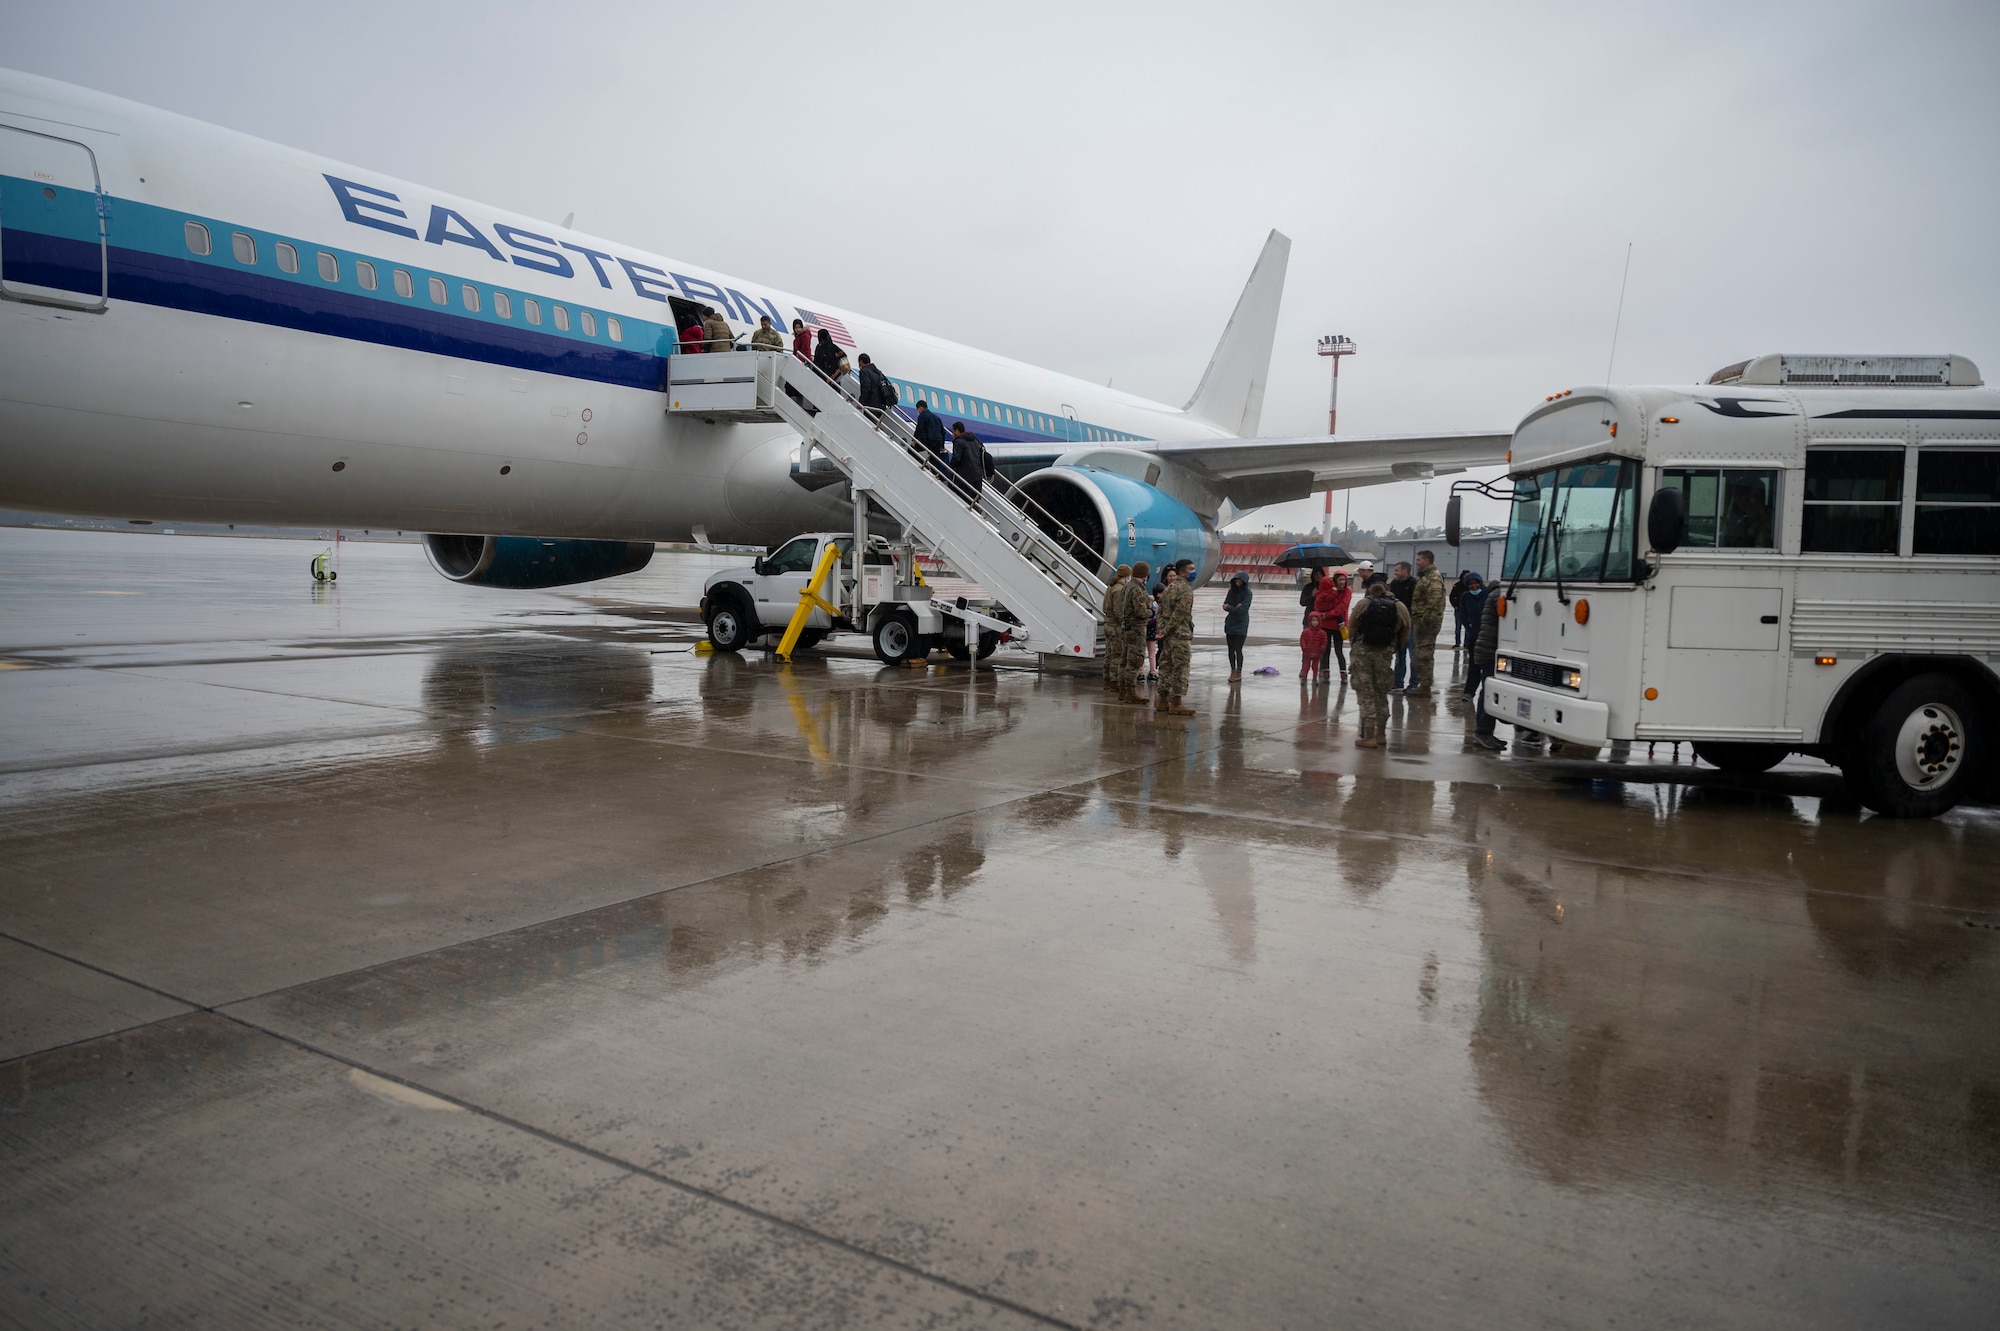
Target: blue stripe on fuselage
x=53 y=243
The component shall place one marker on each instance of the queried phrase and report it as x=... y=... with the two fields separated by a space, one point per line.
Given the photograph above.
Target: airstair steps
x=987 y=539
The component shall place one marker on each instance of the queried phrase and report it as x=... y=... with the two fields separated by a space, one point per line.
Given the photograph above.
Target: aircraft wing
x=1255 y=472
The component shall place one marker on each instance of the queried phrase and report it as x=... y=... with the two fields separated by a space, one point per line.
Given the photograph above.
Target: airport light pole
x=1335 y=345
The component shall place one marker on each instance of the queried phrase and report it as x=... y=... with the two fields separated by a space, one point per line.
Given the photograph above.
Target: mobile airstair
x=988 y=538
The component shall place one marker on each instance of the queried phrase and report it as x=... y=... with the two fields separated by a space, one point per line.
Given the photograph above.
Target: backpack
x=1377 y=624
x=890 y=397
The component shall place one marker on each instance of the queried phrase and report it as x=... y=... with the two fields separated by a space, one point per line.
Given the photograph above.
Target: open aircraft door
x=54 y=241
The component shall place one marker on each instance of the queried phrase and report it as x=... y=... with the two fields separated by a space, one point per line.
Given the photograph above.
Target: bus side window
x=1749 y=517
x=1728 y=509
x=1700 y=489
x=1958 y=502
x=1853 y=501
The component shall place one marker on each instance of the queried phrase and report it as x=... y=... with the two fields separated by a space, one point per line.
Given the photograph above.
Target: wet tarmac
x=400 y=954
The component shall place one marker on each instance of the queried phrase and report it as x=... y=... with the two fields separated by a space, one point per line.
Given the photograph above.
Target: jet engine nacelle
x=530 y=561
x=1117 y=519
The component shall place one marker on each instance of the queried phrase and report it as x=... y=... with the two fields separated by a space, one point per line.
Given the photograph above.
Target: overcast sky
x=1085 y=186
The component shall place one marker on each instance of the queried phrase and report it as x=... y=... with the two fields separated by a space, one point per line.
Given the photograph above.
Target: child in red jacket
x=1312 y=643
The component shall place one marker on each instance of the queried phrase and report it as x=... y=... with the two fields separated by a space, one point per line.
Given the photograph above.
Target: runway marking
x=396 y=1093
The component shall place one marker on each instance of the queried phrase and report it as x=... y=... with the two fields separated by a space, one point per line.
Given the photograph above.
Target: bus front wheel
x=1921 y=751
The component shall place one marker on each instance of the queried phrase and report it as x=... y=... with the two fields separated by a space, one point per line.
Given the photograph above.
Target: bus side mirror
x=1451 y=519
x=1667 y=520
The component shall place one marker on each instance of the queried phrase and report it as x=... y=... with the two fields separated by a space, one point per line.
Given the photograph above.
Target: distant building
x=1476 y=552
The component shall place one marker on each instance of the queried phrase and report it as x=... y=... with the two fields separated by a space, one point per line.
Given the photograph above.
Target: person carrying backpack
x=877 y=393
x=1377 y=630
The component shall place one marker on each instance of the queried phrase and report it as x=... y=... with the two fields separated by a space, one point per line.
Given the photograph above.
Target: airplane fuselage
x=287 y=340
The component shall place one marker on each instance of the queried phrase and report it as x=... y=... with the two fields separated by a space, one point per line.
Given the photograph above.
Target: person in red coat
x=1312 y=649
x=802 y=341
x=691 y=336
x=1331 y=602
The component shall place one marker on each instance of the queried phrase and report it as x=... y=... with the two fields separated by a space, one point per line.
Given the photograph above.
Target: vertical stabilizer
x=1231 y=394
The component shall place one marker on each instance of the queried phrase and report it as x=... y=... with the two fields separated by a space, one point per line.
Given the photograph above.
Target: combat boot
x=1159 y=701
x=1175 y=707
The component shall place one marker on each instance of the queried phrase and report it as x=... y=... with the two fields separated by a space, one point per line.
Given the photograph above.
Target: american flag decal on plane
x=834 y=327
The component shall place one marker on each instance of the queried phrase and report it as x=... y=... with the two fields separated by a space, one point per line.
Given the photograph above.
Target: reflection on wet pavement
x=554 y=972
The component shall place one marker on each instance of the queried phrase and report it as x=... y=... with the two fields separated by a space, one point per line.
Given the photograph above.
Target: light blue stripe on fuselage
x=148 y=229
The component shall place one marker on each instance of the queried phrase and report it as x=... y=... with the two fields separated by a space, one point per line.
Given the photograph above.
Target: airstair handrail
x=1053 y=596
x=902 y=430
x=1067 y=571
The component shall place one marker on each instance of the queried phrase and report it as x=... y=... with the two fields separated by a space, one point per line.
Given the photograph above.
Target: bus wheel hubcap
x=1930 y=746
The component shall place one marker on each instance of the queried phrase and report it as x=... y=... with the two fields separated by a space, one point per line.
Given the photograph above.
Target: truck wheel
x=1920 y=752
x=1740 y=759
x=897 y=639
x=730 y=626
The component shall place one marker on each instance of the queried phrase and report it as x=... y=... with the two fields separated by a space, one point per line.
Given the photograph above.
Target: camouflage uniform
x=1373 y=669
x=1112 y=648
x=1176 y=638
x=1131 y=608
x=1427 y=606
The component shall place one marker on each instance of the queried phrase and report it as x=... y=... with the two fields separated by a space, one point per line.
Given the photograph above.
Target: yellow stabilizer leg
x=809 y=598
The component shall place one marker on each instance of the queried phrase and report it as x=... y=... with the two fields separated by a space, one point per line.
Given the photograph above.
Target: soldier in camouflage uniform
x=1111 y=628
x=1130 y=609
x=1427 y=605
x=1374 y=663
x=1176 y=640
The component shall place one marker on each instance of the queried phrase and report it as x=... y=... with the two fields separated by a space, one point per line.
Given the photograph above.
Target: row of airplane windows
x=950 y=403
x=243 y=247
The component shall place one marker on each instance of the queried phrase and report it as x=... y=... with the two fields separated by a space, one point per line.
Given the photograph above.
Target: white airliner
x=201 y=326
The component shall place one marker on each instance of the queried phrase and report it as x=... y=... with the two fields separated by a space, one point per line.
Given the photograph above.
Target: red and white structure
x=1335 y=345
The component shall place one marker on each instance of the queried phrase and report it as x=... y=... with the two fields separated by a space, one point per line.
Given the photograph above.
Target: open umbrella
x=1313 y=556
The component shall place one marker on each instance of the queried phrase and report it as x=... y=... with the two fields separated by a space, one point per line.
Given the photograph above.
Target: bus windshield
x=1575 y=522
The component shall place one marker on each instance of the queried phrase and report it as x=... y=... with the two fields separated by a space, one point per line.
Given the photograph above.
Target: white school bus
x=1801 y=555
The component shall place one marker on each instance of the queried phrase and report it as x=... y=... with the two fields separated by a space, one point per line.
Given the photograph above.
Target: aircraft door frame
x=1069 y=428
x=44 y=162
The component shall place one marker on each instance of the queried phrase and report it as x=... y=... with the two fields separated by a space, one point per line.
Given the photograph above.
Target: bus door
x=54 y=249
x=1722 y=618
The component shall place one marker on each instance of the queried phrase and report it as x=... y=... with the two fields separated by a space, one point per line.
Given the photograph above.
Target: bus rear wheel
x=1921 y=751
x=1740 y=759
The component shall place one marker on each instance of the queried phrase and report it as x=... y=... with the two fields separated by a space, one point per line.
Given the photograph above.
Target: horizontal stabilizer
x=1255 y=472
x=1231 y=394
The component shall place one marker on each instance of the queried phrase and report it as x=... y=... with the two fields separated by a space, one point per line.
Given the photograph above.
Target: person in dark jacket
x=826 y=357
x=877 y=393
x=1484 y=648
x=1404 y=588
x=930 y=433
x=1236 y=622
x=1457 y=620
x=1307 y=594
x=968 y=458
x=1465 y=614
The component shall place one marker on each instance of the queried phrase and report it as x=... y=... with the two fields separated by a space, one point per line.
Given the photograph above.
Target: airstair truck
x=1801 y=555
x=1052 y=603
